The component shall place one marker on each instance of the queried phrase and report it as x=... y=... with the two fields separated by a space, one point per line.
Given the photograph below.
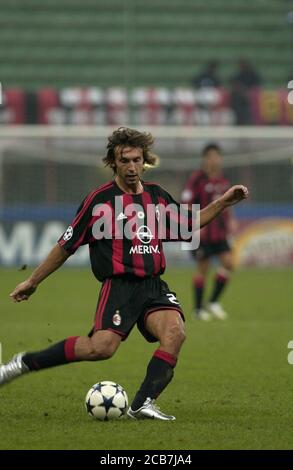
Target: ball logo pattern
x=68 y=234
x=106 y=400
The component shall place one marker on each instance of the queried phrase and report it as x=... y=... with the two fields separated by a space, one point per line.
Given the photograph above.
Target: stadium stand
x=136 y=43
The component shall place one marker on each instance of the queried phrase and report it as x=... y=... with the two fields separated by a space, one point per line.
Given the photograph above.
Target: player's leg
x=222 y=278
x=199 y=280
x=168 y=328
x=102 y=345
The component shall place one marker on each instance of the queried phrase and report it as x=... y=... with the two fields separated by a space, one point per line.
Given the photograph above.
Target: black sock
x=220 y=283
x=198 y=288
x=56 y=355
x=159 y=374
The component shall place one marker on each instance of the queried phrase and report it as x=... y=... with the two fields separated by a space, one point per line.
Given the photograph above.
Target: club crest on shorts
x=68 y=234
x=116 y=318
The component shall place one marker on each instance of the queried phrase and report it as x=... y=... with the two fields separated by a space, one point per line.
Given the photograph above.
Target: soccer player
x=203 y=187
x=129 y=268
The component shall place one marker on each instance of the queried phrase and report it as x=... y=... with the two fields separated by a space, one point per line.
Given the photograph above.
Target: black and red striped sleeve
x=76 y=233
x=79 y=232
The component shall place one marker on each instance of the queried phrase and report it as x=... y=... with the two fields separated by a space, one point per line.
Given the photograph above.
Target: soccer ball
x=106 y=400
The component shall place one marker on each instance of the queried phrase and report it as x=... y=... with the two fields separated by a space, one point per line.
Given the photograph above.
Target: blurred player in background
x=203 y=187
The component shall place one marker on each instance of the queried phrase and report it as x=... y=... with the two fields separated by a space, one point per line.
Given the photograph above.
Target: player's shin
x=159 y=374
x=56 y=355
x=221 y=280
x=198 y=288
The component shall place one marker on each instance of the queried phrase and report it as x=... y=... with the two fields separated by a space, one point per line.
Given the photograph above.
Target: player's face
x=212 y=162
x=129 y=165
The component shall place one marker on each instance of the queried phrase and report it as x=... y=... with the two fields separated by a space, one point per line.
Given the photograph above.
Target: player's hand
x=234 y=195
x=23 y=291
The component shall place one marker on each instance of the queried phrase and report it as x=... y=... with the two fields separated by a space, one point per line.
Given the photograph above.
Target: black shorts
x=207 y=250
x=124 y=302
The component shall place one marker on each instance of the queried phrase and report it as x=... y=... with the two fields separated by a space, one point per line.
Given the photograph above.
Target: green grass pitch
x=233 y=386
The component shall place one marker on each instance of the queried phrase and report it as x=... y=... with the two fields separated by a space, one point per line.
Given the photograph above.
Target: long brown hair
x=125 y=137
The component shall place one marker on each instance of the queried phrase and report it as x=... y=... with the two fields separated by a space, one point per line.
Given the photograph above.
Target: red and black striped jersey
x=125 y=232
x=201 y=189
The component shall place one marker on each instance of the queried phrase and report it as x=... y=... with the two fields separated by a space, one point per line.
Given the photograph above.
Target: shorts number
x=172 y=299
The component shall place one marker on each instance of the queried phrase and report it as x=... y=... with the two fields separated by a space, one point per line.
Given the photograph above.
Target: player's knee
x=107 y=352
x=231 y=266
x=100 y=354
x=103 y=350
x=181 y=337
x=174 y=334
x=228 y=266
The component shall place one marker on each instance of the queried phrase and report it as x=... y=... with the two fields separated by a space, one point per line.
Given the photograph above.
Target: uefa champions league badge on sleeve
x=68 y=234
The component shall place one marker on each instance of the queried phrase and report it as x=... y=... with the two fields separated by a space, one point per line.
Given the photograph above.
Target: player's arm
x=54 y=260
x=234 y=195
x=75 y=236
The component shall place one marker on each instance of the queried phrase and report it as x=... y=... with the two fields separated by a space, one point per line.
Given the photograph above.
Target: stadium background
x=72 y=71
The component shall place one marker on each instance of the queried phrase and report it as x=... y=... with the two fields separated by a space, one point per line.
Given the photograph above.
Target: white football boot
x=13 y=369
x=202 y=314
x=149 y=411
x=217 y=311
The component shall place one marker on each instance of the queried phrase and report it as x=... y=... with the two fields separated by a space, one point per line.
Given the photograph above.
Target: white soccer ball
x=106 y=400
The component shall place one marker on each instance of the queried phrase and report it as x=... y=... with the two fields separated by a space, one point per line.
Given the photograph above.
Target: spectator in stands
x=208 y=78
x=240 y=103
x=245 y=79
x=247 y=76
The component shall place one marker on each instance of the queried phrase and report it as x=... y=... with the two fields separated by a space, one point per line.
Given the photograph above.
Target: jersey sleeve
x=190 y=193
x=79 y=231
